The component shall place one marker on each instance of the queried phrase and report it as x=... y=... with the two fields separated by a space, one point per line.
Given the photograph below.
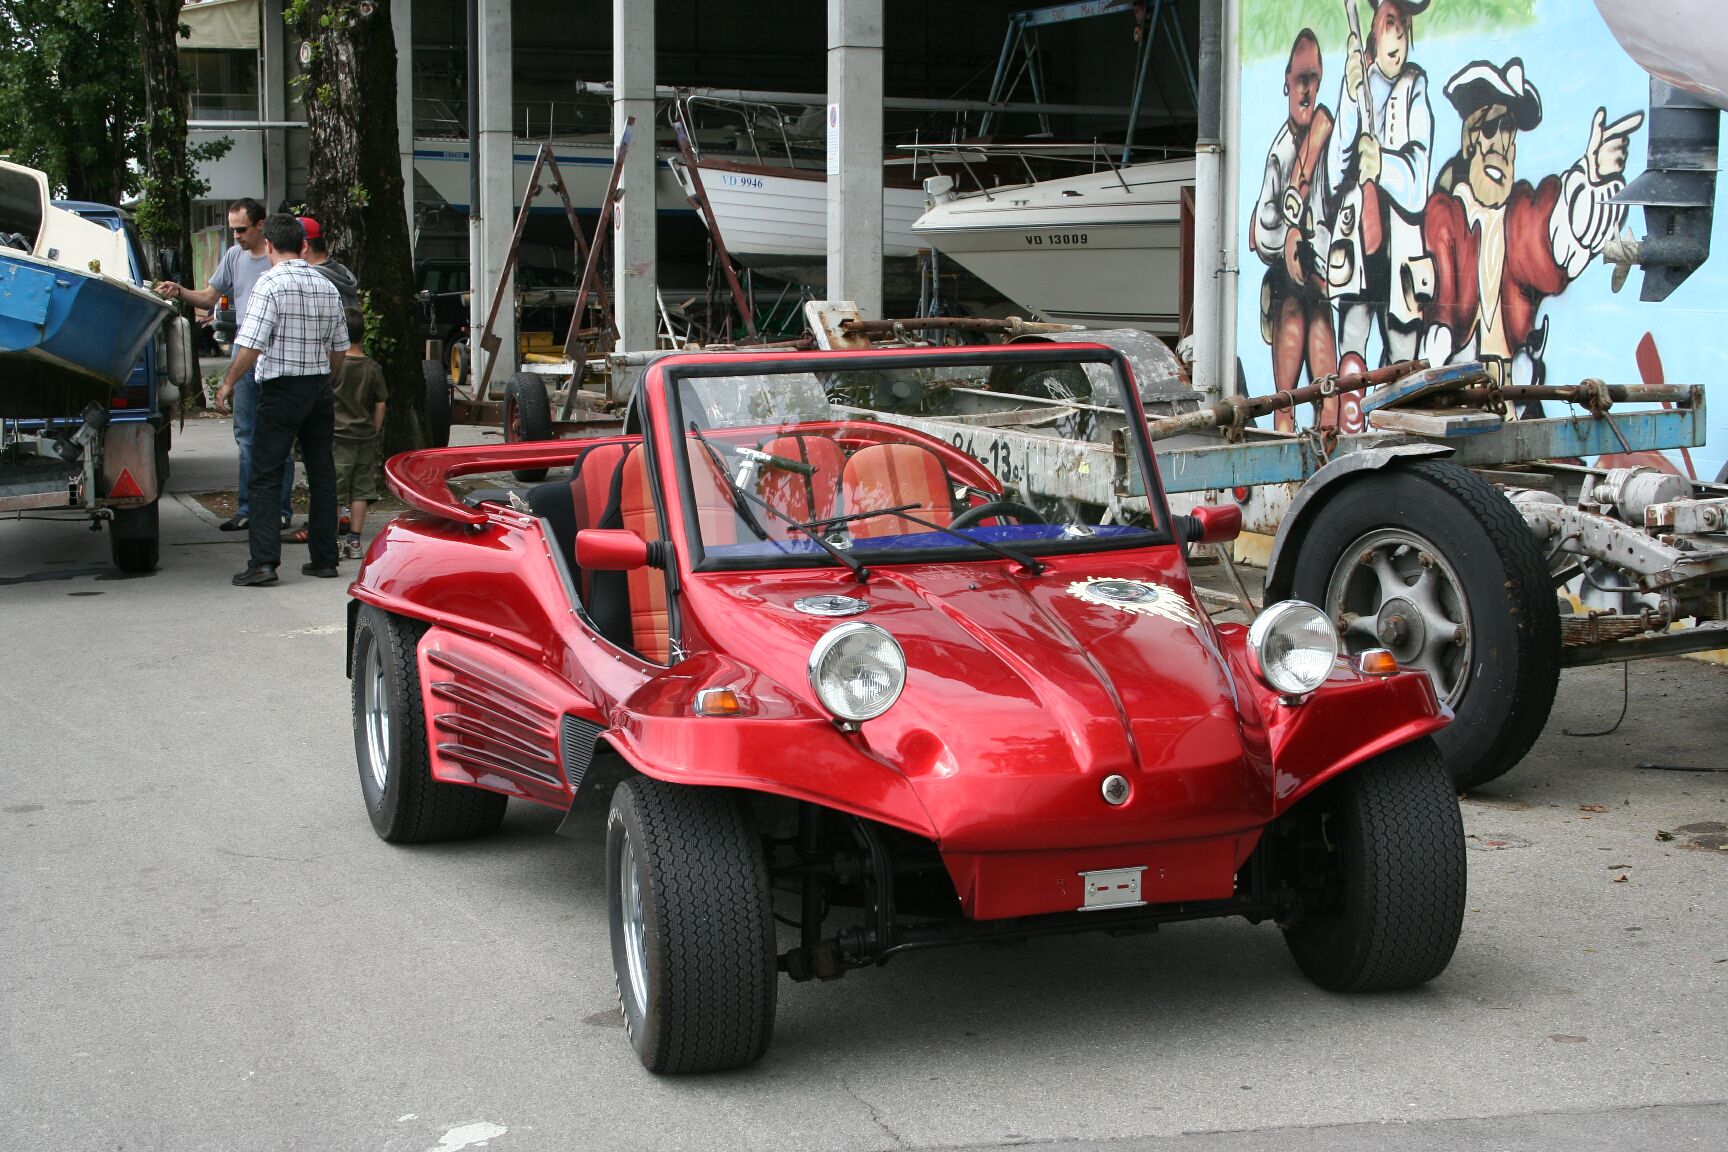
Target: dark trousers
x=294 y=408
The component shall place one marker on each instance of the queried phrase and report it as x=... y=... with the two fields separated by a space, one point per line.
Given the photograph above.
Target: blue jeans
x=245 y=425
x=295 y=408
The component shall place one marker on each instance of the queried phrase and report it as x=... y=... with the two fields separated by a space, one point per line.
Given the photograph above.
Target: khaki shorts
x=357 y=471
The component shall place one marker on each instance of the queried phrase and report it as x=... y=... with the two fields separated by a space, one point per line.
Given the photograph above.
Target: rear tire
x=406 y=805
x=437 y=403
x=527 y=417
x=135 y=538
x=1490 y=582
x=692 y=926
x=1378 y=854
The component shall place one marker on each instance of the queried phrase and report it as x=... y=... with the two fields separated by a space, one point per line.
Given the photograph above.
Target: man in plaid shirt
x=294 y=336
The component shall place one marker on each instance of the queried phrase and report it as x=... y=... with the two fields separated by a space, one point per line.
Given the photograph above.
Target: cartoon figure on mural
x=1369 y=263
x=1497 y=246
x=1379 y=159
x=1290 y=230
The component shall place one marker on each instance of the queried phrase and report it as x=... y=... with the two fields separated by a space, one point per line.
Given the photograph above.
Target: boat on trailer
x=72 y=323
x=1103 y=248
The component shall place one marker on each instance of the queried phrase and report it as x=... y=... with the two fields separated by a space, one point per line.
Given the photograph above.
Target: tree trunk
x=165 y=216
x=354 y=189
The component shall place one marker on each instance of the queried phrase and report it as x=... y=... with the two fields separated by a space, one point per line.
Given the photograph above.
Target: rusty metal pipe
x=1234 y=409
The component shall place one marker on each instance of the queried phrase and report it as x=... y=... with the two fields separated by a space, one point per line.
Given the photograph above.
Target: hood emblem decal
x=831 y=605
x=1136 y=596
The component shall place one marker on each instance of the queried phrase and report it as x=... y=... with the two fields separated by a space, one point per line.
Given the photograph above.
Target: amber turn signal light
x=1376 y=662
x=718 y=702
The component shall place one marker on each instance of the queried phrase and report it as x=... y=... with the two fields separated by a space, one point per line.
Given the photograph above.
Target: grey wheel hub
x=375 y=714
x=1393 y=589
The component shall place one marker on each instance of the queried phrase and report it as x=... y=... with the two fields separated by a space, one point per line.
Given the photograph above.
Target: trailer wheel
x=527 y=416
x=135 y=538
x=437 y=403
x=406 y=805
x=1378 y=857
x=1431 y=561
x=692 y=926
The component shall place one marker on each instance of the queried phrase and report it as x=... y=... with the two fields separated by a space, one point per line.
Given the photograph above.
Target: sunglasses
x=241 y=231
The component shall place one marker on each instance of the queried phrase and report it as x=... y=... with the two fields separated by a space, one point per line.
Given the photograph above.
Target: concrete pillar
x=1230 y=226
x=402 y=26
x=273 y=101
x=490 y=226
x=855 y=153
x=636 y=277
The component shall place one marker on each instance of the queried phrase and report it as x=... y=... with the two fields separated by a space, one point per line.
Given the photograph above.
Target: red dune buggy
x=822 y=662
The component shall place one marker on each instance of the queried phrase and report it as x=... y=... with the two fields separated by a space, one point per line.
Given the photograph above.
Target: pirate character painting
x=1379 y=157
x=1290 y=231
x=1496 y=246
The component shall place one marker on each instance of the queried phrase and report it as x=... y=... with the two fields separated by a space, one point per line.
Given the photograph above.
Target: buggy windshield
x=901 y=459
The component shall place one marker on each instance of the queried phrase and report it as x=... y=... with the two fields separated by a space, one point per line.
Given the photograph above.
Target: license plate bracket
x=1112 y=888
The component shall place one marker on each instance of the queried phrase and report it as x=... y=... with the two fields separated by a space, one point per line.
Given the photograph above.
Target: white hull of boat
x=1104 y=249
x=585 y=166
x=1685 y=42
x=766 y=217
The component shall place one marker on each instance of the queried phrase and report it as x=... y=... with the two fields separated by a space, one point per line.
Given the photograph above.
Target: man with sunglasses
x=1497 y=246
x=240 y=267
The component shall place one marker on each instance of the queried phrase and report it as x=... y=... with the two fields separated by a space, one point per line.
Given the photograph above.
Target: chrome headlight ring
x=1292 y=647
x=857 y=671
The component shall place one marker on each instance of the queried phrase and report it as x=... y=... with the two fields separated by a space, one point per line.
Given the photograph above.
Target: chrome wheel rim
x=375 y=714
x=635 y=933
x=1393 y=589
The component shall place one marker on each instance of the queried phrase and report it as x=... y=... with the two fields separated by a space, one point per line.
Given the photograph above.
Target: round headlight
x=857 y=670
x=1292 y=647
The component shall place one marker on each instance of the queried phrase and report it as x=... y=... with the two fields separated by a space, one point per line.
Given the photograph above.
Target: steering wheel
x=1012 y=508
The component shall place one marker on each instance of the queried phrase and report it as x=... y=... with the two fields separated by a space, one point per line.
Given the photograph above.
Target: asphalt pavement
x=204 y=947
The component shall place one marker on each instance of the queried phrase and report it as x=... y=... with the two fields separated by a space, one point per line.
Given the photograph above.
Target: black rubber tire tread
x=1517 y=642
x=413 y=808
x=525 y=401
x=709 y=927
x=1396 y=823
x=437 y=403
x=135 y=554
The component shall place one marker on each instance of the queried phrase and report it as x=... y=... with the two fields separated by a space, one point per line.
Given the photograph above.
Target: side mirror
x=168 y=263
x=1213 y=524
x=611 y=550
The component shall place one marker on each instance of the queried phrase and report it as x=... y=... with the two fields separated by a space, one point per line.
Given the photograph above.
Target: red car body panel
x=1021 y=695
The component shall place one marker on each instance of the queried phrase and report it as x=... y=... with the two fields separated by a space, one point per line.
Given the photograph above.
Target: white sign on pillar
x=833 y=139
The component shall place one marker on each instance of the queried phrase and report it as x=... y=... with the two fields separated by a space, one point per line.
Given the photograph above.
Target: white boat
x=1684 y=42
x=775 y=220
x=586 y=166
x=1103 y=249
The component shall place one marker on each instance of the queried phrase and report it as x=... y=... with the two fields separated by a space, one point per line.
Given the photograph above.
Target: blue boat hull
x=66 y=337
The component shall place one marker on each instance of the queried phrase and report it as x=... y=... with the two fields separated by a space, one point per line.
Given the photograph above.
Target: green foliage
x=154 y=222
x=72 y=93
x=379 y=345
x=1269 y=26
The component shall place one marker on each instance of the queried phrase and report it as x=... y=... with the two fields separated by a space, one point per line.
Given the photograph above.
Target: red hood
x=1022 y=696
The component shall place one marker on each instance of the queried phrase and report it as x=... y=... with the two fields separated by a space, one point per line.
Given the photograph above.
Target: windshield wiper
x=1028 y=564
x=859 y=572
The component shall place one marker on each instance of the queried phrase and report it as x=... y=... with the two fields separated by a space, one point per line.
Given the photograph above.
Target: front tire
x=1377 y=856
x=1431 y=561
x=692 y=926
x=406 y=805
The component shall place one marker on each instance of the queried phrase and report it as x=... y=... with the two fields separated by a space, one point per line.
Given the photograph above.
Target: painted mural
x=1437 y=179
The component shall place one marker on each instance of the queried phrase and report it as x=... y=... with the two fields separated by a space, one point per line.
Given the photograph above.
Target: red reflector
x=120 y=402
x=126 y=488
x=1241 y=495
